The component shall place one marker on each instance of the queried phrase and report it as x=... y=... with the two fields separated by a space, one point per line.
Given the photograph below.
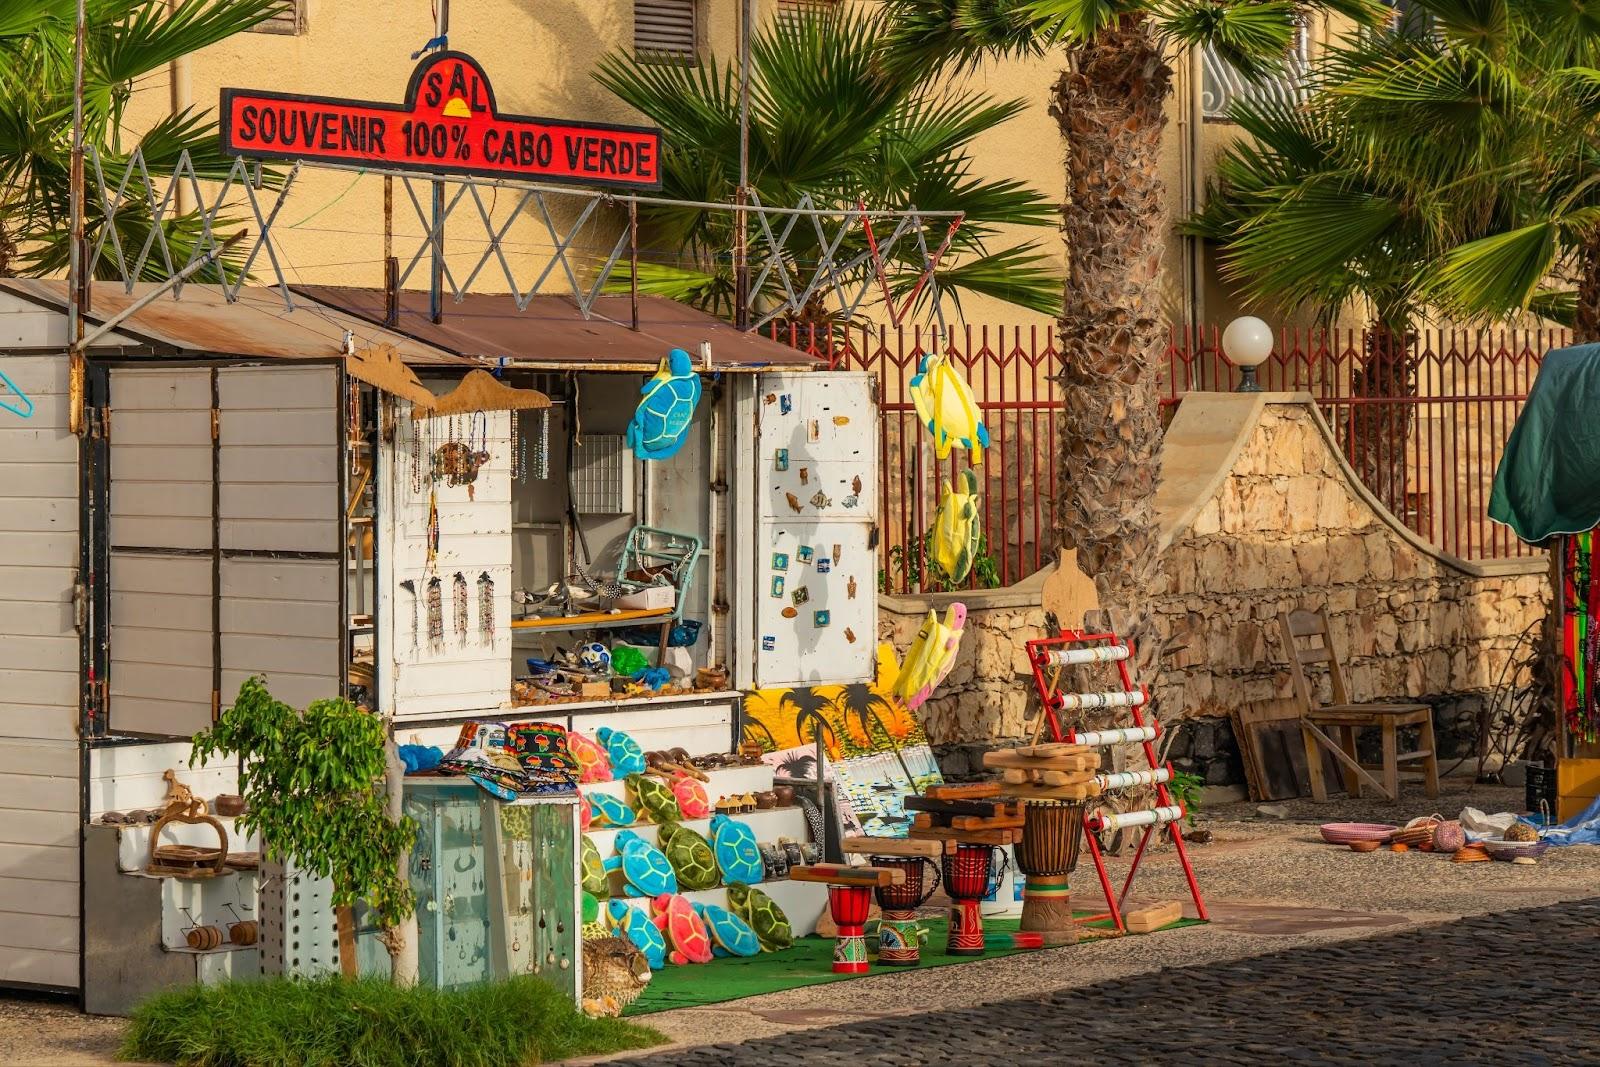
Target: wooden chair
x=1347 y=719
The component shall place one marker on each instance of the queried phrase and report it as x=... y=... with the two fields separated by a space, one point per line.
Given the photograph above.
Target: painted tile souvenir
x=820 y=500
x=780 y=561
x=820 y=618
x=805 y=553
x=824 y=565
x=769 y=643
x=800 y=596
x=805 y=476
x=781 y=461
x=777 y=585
x=785 y=403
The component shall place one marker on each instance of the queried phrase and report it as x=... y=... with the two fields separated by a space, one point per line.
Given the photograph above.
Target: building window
x=664 y=29
x=1223 y=86
x=291 y=20
x=793 y=8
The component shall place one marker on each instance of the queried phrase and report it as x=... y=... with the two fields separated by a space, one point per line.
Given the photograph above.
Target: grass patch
x=333 y=1022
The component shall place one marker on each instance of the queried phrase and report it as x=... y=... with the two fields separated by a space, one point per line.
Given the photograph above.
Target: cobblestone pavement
x=1515 y=987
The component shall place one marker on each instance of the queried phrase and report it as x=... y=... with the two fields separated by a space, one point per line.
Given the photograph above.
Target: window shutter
x=791 y=8
x=664 y=28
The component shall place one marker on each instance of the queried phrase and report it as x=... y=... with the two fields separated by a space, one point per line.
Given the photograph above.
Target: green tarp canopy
x=1548 y=481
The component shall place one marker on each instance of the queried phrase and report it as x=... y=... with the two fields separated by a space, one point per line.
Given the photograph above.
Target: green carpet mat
x=808 y=963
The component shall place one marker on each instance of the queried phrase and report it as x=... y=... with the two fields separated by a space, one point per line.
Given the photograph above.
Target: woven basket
x=1417 y=832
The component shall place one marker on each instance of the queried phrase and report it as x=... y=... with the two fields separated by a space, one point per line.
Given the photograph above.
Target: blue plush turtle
x=626 y=755
x=661 y=423
x=633 y=924
x=606 y=810
x=645 y=868
x=737 y=853
x=730 y=935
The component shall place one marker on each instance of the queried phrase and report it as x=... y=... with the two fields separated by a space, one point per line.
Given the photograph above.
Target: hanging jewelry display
x=353 y=433
x=519 y=448
x=486 y=608
x=458 y=595
x=411 y=587
x=541 y=447
x=435 y=615
x=433 y=528
x=419 y=472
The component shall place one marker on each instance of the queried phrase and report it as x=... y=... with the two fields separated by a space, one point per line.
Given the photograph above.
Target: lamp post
x=1247 y=342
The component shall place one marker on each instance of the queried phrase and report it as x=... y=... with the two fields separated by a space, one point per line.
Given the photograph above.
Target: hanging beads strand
x=435 y=616
x=486 y=608
x=517 y=457
x=458 y=596
x=433 y=529
x=411 y=587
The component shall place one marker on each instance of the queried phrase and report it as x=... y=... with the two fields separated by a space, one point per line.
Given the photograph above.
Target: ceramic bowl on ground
x=1501 y=849
x=1342 y=833
x=1364 y=846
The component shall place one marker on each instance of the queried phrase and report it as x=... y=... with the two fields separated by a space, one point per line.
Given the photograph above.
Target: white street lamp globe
x=1247 y=342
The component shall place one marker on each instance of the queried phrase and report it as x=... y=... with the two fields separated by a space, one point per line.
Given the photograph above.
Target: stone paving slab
x=1515 y=987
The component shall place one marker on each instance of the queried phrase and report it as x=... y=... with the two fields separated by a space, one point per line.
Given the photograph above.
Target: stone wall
x=1260 y=515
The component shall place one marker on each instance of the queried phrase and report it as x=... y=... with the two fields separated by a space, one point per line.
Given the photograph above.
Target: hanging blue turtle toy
x=661 y=422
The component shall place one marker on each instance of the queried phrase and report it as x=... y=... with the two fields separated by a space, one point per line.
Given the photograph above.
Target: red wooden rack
x=1049 y=656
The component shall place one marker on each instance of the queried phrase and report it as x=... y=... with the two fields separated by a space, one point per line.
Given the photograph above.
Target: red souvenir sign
x=448 y=125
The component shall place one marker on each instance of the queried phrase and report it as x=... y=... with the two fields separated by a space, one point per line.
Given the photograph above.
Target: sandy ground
x=1269 y=882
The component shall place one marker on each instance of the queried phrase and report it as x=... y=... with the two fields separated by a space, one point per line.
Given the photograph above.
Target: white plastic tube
x=1066 y=657
x=1124 y=820
x=1119 y=736
x=1089 y=701
x=1129 y=779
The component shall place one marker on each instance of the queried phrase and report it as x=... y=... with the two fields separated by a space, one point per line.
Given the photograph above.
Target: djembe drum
x=969 y=876
x=1052 y=831
x=849 y=905
x=897 y=930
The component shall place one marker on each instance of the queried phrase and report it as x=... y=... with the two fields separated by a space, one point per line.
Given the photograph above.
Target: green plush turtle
x=645 y=869
x=594 y=869
x=655 y=798
x=661 y=422
x=763 y=914
x=730 y=935
x=737 y=853
x=690 y=856
x=593 y=925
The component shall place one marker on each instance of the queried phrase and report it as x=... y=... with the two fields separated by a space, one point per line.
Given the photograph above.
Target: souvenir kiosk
x=1547 y=489
x=252 y=503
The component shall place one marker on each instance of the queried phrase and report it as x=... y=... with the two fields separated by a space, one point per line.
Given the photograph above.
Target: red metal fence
x=1422 y=423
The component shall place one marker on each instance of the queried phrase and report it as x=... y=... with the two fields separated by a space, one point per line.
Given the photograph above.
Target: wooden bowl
x=1364 y=846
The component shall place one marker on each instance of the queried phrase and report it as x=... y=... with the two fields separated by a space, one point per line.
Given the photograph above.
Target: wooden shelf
x=594 y=619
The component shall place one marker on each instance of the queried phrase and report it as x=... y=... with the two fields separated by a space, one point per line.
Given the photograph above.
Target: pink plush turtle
x=686 y=933
x=585 y=814
x=692 y=799
x=593 y=763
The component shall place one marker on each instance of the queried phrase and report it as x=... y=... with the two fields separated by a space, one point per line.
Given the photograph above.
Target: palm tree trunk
x=1109 y=105
x=1381 y=431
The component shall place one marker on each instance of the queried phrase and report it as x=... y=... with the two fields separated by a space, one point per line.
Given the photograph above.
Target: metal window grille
x=664 y=28
x=290 y=21
x=602 y=475
x=793 y=8
x=1222 y=86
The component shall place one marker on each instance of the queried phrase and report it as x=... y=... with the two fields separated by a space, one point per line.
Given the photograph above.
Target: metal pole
x=741 y=263
x=391 y=265
x=441 y=27
x=633 y=260
x=77 y=264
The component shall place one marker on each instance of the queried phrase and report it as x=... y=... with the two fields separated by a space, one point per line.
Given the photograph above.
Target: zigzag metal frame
x=242 y=183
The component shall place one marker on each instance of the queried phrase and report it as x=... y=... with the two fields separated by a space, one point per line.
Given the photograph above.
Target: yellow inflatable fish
x=944 y=403
x=930 y=656
x=955 y=528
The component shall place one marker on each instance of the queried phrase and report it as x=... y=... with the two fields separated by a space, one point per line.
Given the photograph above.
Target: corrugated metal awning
x=553 y=335
x=202 y=323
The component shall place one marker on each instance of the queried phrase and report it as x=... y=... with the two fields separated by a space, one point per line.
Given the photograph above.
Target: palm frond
x=1253 y=38
x=1497 y=274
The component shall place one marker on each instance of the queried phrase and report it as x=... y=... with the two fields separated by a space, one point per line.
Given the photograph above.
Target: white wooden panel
x=161 y=457
x=37 y=584
x=38 y=896
x=279 y=467
x=161 y=645
x=39 y=722
x=26 y=826
x=817 y=478
x=52 y=933
x=123 y=777
x=32 y=757
x=39 y=516
x=159 y=389
x=475 y=537
x=53 y=863
x=53 y=479
x=44 y=792
x=185 y=428
x=160 y=463
x=49 y=444
x=59 y=688
x=40 y=968
x=280 y=619
x=38 y=653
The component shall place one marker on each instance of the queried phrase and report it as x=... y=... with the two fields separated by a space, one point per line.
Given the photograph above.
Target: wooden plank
x=293 y=535
x=1013 y=758
x=844 y=874
x=39 y=792
x=1148 y=919
x=1020 y=776
x=21 y=826
x=270 y=464
x=50 y=933
x=184 y=428
x=38 y=479
x=1052 y=749
x=159 y=389
x=963 y=791
x=37 y=896
x=40 y=968
x=277 y=388
x=52 y=863
x=36 y=757
x=982 y=808
x=50 y=688
x=243 y=429
x=891 y=846
x=1054 y=792
x=38 y=722
x=972 y=822
x=38 y=654
x=39 y=515
x=976 y=837
x=21 y=582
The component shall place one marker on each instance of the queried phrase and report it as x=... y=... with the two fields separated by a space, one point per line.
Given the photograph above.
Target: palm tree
x=810 y=706
x=1110 y=105
x=829 y=122
x=126 y=40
